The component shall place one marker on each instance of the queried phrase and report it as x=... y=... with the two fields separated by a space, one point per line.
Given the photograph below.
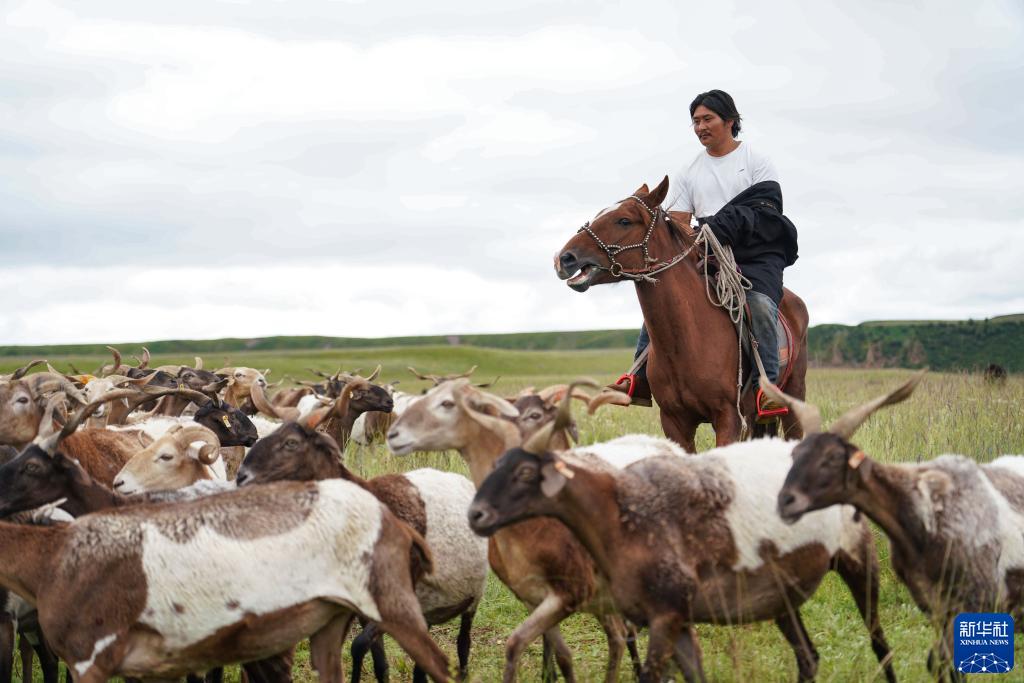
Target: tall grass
x=949 y=413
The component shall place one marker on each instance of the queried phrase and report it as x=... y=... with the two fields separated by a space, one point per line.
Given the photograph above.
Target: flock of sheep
x=165 y=522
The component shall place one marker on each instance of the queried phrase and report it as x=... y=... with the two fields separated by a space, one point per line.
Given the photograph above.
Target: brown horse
x=693 y=360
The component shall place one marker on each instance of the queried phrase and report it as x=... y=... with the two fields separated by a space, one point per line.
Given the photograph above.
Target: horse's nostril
x=567 y=260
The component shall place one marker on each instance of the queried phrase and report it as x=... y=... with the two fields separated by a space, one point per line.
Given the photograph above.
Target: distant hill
x=941 y=345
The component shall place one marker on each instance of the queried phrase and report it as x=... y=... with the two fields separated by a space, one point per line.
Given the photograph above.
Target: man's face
x=710 y=128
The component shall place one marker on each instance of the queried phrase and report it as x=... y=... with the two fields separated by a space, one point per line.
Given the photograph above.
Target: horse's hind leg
x=681 y=429
x=792 y=626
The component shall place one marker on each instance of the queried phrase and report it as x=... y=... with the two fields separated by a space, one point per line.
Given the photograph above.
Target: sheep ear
x=554 y=475
x=490 y=405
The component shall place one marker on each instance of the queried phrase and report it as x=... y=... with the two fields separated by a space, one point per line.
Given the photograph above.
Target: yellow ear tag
x=224 y=419
x=181 y=385
x=564 y=470
x=856 y=459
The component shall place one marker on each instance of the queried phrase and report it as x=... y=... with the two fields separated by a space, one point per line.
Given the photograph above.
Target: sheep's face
x=96 y=388
x=168 y=463
x=371 y=397
x=231 y=425
x=534 y=413
x=19 y=414
x=448 y=417
x=292 y=452
x=522 y=485
x=430 y=424
x=822 y=475
x=32 y=479
x=196 y=379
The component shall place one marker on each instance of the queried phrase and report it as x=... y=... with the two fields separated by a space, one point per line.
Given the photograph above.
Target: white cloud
x=452 y=147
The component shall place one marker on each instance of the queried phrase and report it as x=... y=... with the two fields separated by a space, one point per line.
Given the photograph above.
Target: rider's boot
x=635 y=386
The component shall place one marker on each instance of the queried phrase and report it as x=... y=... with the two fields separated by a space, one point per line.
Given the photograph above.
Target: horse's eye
x=624 y=221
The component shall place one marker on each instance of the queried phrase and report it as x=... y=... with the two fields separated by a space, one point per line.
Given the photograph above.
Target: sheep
x=268 y=580
x=244 y=547
x=373 y=425
x=955 y=527
x=241 y=380
x=431 y=501
x=540 y=561
x=182 y=456
x=22 y=399
x=688 y=539
x=358 y=396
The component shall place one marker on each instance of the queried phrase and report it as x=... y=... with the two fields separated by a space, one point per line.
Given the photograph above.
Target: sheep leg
x=410 y=631
x=561 y=652
x=548 y=614
x=7 y=649
x=861 y=576
x=547 y=661
x=665 y=630
x=214 y=675
x=792 y=626
x=464 y=640
x=634 y=653
x=369 y=640
x=687 y=655
x=615 y=632
x=325 y=650
x=276 y=669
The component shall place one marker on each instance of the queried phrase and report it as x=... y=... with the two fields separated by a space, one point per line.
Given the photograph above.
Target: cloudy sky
x=197 y=169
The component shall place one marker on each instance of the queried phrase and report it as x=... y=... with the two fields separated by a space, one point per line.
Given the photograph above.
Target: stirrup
x=767 y=415
x=632 y=383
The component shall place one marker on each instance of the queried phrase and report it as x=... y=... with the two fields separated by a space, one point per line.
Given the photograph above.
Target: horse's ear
x=656 y=197
x=642 y=190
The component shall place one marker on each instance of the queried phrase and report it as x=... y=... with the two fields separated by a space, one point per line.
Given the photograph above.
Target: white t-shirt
x=708 y=183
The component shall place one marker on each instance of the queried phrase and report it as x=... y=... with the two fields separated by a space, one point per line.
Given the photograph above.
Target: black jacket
x=762 y=239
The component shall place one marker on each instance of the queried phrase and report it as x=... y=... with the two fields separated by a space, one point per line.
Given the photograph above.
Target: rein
x=730 y=289
x=653 y=265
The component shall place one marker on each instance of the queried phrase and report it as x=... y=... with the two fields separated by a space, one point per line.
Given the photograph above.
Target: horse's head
x=615 y=242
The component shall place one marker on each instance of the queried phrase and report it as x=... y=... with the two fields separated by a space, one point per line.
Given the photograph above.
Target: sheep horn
x=117 y=361
x=23 y=370
x=50 y=443
x=846 y=425
x=209 y=453
x=373 y=375
x=46 y=428
x=199 y=363
x=540 y=442
x=144 y=363
x=74 y=369
x=419 y=375
x=55 y=371
x=259 y=399
x=320 y=373
x=467 y=373
x=806 y=414
x=44 y=382
x=485 y=385
x=605 y=397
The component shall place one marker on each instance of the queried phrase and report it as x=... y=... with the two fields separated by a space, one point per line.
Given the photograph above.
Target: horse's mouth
x=582 y=281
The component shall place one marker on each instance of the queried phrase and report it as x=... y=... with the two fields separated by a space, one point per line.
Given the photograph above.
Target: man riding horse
x=734 y=190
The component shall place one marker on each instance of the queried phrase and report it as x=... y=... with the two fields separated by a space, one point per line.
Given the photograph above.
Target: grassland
x=949 y=413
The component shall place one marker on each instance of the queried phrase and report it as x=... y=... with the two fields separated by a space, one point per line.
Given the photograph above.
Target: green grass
x=949 y=413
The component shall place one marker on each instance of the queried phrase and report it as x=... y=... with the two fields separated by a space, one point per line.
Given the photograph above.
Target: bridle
x=653 y=266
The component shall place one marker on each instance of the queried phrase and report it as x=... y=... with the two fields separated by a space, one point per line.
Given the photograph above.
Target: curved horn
x=46 y=428
x=320 y=373
x=848 y=423
x=806 y=414
x=373 y=375
x=74 y=369
x=144 y=363
x=486 y=385
x=467 y=373
x=54 y=371
x=199 y=363
x=209 y=453
x=540 y=442
x=341 y=403
x=44 y=382
x=117 y=361
x=259 y=399
x=605 y=397
x=419 y=375
x=23 y=370
x=50 y=443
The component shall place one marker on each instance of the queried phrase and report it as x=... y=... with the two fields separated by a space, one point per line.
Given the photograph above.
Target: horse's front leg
x=726 y=423
x=681 y=427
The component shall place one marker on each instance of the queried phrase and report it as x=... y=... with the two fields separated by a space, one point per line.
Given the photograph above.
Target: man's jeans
x=764 y=314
